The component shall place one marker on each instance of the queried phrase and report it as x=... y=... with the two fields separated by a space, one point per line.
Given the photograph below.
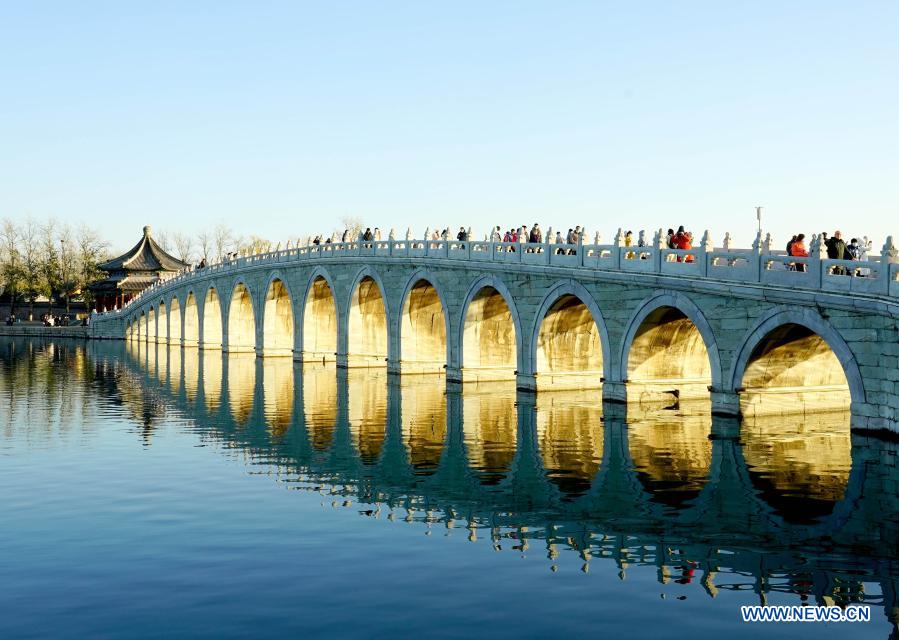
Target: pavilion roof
x=146 y=255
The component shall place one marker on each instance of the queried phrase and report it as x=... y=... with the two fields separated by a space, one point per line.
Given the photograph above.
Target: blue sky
x=279 y=118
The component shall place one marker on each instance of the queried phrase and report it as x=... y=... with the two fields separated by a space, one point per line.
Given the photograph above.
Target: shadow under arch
x=212 y=319
x=318 y=340
x=191 y=331
x=278 y=323
x=669 y=341
x=566 y=302
x=175 y=323
x=368 y=340
x=497 y=354
x=424 y=345
x=152 y=321
x=241 y=319
x=162 y=323
x=797 y=350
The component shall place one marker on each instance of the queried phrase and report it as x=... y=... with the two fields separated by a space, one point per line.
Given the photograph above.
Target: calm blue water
x=184 y=494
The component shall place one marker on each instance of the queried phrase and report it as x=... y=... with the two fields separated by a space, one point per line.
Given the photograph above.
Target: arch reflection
x=367 y=412
x=320 y=404
x=241 y=385
x=278 y=394
x=671 y=452
x=800 y=465
x=424 y=421
x=490 y=425
x=570 y=433
x=211 y=379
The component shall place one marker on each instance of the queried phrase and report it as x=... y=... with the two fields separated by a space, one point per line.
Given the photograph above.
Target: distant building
x=132 y=272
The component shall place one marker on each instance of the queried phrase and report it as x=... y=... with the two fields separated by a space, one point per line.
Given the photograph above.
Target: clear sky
x=279 y=118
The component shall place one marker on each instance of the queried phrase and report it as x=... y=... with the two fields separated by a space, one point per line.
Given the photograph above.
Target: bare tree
x=163 y=240
x=205 y=244
x=33 y=283
x=69 y=276
x=10 y=262
x=183 y=244
x=255 y=244
x=49 y=260
x=222 y=240
x=91 y=251
x=353 y=225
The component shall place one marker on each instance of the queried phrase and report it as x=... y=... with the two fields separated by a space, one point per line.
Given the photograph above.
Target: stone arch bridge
x=751 y=330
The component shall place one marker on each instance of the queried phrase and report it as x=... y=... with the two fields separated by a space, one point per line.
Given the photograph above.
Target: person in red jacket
x=797 y=250
x=684 y=241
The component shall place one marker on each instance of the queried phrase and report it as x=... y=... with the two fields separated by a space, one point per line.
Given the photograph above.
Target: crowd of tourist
x=837 y=249
x=680 y=240
x=51 y=320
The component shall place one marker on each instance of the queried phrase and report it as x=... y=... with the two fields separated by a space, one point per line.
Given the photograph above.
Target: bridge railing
x=879 y=275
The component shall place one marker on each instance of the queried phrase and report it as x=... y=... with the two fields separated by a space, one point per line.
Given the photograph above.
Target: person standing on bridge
x=792 y=265
x=836 y=250
x=797 y=250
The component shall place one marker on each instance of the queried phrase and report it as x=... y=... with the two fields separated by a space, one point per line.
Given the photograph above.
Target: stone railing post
x=580 y=249
x=759 y=260
x=703 y=255
x=658 y=244
x=618 y=249
x=889 y=255
x=817 y=254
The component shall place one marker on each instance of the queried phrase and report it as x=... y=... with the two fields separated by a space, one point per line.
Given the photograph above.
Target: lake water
x=163 y=492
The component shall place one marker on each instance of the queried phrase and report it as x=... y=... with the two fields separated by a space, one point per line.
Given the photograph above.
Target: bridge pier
x=526 y=382
x=725 y=427
x=453 y=375
x=725 y=403
x=614 y=392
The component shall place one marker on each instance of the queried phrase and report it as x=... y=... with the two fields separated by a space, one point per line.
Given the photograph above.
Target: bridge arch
x=211 y=320
x=489 y=331
x=277 y=318
x=318 y=340
x=368 y=321
x=190 y=334
x=569 y=336
x=669 y=339
x=142 y=327
x=241 y=319
x=798 y=349
x=162 y=322
x=175 y=324
x=151 y=325
x=424 y=327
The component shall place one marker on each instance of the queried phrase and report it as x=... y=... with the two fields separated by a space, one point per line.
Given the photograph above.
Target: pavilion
x=132 y=272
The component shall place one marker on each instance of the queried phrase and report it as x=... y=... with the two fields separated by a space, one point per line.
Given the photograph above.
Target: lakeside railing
x=878 y=275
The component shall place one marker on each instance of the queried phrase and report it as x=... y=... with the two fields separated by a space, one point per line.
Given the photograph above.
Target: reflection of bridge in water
x=801 y=508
